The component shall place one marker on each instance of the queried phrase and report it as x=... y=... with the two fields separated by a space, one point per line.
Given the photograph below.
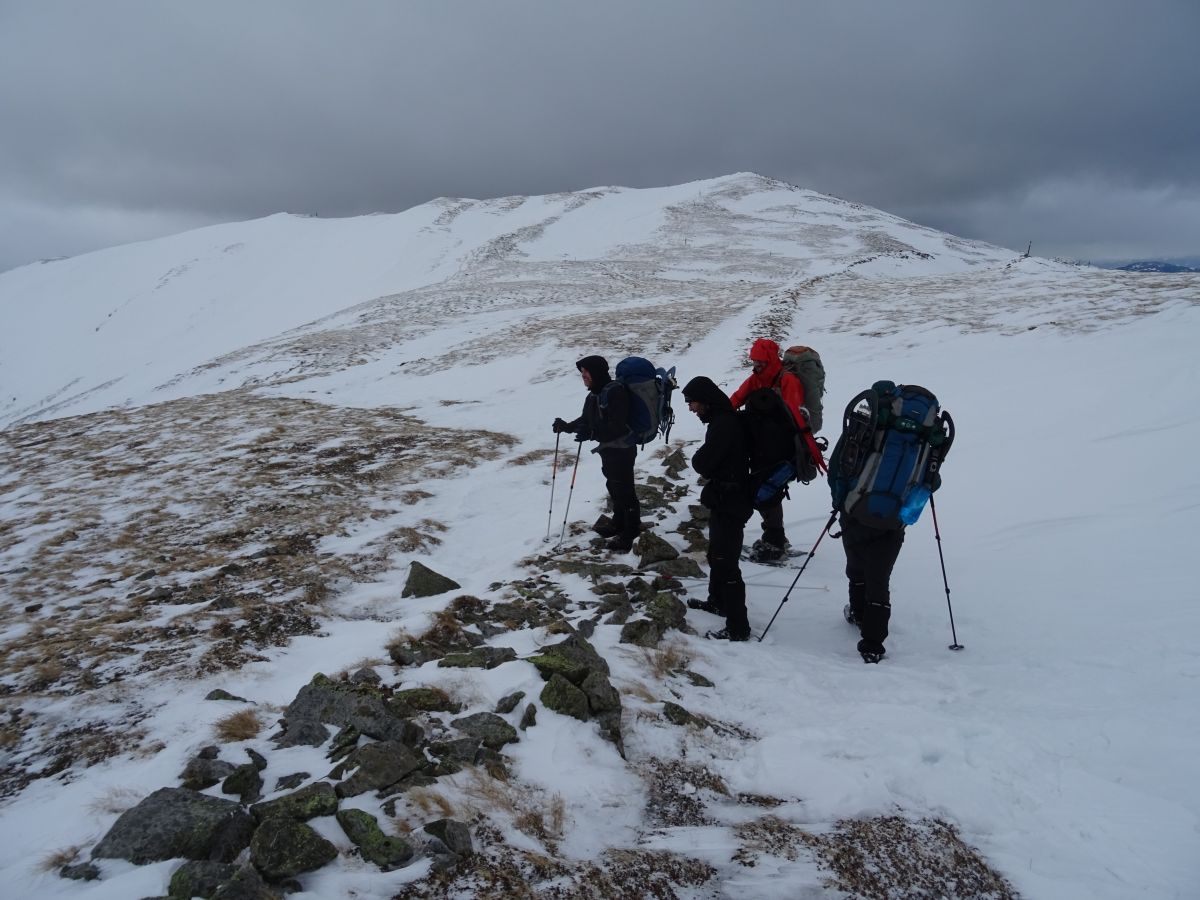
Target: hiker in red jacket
x=769 y=373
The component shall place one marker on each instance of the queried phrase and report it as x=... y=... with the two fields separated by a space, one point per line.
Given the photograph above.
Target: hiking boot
x=850 y=615
x=765 y=552
x=725 y=635
x=622 y=543
x=871 y=651
x=605 y=527
x=708 y=606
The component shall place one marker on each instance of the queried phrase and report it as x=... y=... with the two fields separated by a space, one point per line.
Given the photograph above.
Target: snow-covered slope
x=182 y=404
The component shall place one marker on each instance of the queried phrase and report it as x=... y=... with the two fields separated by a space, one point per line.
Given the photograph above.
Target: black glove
x=560 y=426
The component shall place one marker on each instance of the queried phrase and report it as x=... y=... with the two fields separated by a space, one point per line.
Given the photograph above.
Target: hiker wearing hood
x=721 y=460
x=769 y=373
x=605 y=418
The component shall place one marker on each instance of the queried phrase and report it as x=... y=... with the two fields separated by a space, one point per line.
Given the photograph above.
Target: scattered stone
x=675 y=463
x=363 y=829
x=653 y=549
x=677 y=715
x=316 y=799
x=639 y=589
x=343 y=744
x=487 y=727
x=478 y=658
x=260 y=761
x=424 y=582
x=202 y=772
x=378 y=766
x=620 y=614
x=529 y=717
x=572 y=658
x=641 y=633
x=667 y=610
x=509 y=702
x=229 y=569
x=245 y=782
x=149 y=573
x=697 y=679
x=650 y=497
x=176 y=822
x=601 y=695
x=596 y=571
x=220 y=694
x=683 y=567
x=283 y=848
x=159 y=593
x=212 y=751
x=287 y=782
x=366 y=675
x=33 y=607
x=247 y=884
x=324 y=700
x=200 y=878
x=609 y=587
x=85 y=871
x=587 y=628
x=453 y=834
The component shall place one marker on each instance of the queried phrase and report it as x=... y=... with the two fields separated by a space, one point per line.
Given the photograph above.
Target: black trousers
x=617 y=465
x=772 y=524
x=725 y=586
x=870 y=557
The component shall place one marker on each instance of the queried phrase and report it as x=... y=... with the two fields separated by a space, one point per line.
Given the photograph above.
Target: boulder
x=378 y=766
x=245 y=781
x=529 y=717
x=428 y=699
x=283 y=848
x=312 y=800
x=563 y=697
x=572 y=658
x=641 y=633
x=601 y=695
x=683 y=567
x=199 y=878
x=202 y=772
x=384 y=850
x=653 y=549
x=478 y=658
x=489 y=728
x=424 y=582
x=177 y=822
x=330 y=702
x=454 y=835
x=667 y=610
x=246 y=884
x=509 y=702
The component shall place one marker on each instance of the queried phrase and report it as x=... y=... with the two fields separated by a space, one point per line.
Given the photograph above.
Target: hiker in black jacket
x=605 y=418
x=721 y=460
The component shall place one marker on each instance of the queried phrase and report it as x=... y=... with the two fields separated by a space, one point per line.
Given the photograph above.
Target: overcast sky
x=1073 y=124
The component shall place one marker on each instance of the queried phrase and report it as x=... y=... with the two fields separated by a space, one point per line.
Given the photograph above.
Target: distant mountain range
x=1154 y=265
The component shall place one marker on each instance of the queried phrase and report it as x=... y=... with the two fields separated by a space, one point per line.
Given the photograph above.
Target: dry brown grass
x=239 y=726
x=115 y=801
x=531 y=457
x=56 y=859
x=666 y=659
x=430 y=802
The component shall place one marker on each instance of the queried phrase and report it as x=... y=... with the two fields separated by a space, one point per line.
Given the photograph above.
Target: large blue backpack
x=889 y=456
x=650 y=412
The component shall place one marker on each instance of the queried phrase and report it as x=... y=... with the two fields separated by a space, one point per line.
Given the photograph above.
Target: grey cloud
x=953 y=111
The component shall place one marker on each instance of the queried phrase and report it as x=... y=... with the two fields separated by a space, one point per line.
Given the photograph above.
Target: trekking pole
x=553 y=477
x=570 y=493
x=811 y=553
x=938 y=534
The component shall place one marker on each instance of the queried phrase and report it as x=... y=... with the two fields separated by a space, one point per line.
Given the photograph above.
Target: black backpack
x=774 y=448
x=888 y=459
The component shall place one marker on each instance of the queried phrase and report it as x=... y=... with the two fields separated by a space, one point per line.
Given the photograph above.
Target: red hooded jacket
x=790 y=388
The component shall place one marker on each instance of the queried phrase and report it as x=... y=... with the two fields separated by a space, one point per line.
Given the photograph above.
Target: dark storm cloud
x=123 y=120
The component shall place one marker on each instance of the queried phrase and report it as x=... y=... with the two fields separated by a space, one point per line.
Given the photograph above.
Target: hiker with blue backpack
x=883 y=469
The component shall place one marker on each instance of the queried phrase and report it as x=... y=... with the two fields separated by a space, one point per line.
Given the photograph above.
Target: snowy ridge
x=332 y=400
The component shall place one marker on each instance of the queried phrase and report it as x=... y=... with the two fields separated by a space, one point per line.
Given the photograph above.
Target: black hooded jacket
x=722 y=458
x=605 y=416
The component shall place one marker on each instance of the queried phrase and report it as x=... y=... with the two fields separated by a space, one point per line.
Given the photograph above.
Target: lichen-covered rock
x=424 y=582
x=312 y=800
x=221 y=694
x=176 y=822
x=683 y=567
x=653 y=549
x=563 y=697
x=199 y=878
x=379 y=766
x=593 y=570
x=365 y=707
x=384 y=850
x=489 y=728
x=246 y=884
x=650 y=497
x=428 y=699
x=641 y=633
x=283 y=848
x=667 y=610
x=478 y=658
x=453 y=834
x=572 y=658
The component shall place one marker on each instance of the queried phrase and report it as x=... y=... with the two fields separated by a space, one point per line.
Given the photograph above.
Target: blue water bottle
x=914 y=502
